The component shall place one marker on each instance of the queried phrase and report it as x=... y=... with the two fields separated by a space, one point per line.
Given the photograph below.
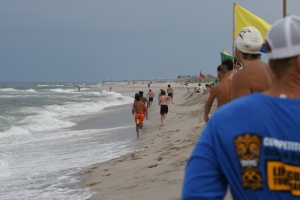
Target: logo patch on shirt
x=248 y=148
x=283 y=177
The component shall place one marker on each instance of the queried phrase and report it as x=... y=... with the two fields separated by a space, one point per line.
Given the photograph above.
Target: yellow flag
x=245 y=18
x=225 y=52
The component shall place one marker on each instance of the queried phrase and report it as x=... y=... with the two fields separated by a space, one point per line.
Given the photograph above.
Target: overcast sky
x=96 y=40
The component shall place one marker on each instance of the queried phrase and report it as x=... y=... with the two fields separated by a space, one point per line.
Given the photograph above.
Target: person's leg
x=141 y=120
x=136 y=119
x=141 y=125
x=161 y=114
x=171 y=98
x=137 y=130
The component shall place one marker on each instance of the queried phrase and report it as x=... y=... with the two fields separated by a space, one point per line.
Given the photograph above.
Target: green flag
x=224 y=56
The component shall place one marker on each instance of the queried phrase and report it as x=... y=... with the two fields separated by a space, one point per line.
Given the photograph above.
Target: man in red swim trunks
x=138 y=109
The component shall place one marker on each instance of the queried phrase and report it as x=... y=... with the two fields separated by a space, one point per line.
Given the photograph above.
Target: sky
x=103 y=40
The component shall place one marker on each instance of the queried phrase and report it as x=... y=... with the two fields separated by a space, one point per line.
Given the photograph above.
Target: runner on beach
x=145 y=101
x=150 y=96
x=221 y=92
x=163 y=102
x=138 y=112
x=159 y=95
x=170 y=92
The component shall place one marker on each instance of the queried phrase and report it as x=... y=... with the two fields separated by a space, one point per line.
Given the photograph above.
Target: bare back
x=169 y=90
x=255 y=77
x=138 y=107
x=222 y=92
x=144 y=100
x=163 y=100
x=151 y=94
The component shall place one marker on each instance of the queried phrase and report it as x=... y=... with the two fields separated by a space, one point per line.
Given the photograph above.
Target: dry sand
x=155 y=172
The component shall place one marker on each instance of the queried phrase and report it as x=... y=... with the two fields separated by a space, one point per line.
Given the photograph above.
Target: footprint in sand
x=159 y=158
x=151 y=166
x=122 y=160
x=92 y=184
x=89 y=171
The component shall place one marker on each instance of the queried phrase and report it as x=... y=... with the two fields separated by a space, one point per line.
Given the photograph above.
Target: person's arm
x=147 y=103
x=209 y=103
x=240 y=87
x=133 y=109
x=147 y=114
x=203 y=177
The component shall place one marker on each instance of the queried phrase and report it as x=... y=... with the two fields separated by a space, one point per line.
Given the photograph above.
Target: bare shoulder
x=240 y=75
x=214 y=90
x=134 y=103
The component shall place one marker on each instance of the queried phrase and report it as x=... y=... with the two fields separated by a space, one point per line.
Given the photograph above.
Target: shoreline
x=156 y=171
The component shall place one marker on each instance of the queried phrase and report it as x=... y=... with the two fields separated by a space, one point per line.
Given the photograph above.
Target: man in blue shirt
x=253 y=143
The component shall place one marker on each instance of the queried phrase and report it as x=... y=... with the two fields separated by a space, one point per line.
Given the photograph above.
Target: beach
x=156 y=170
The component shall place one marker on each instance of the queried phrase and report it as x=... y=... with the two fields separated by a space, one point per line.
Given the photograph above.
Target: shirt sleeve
x=203 y=176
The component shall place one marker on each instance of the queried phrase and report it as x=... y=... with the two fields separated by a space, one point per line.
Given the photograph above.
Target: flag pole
x=284 y=8
x=233 y=31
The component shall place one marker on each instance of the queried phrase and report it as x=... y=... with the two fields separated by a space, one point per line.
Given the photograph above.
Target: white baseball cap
x=249 y=40
x=284 y=38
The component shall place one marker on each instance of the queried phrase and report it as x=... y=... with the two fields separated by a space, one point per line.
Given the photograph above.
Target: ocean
x=49 y=131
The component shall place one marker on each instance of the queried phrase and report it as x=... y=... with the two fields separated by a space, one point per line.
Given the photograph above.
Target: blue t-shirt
x=251 y=144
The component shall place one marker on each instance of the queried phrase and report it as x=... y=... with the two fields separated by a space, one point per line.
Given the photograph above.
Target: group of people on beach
x=252 y=141
x=256 y=76
x=141 y=105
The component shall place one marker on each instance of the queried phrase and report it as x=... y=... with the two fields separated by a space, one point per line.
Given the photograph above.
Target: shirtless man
x=256 y=76
x=144 y=99
x=163 y=102
x=229 y=64
x=170 y=93
x=159 y=95
x=138 y=109
x=222 y=91
x=150 y=96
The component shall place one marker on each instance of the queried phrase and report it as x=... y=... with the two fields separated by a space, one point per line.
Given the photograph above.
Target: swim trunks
x=139 y=117
x=163 y=109
x=150 y=98
x=170 y=94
